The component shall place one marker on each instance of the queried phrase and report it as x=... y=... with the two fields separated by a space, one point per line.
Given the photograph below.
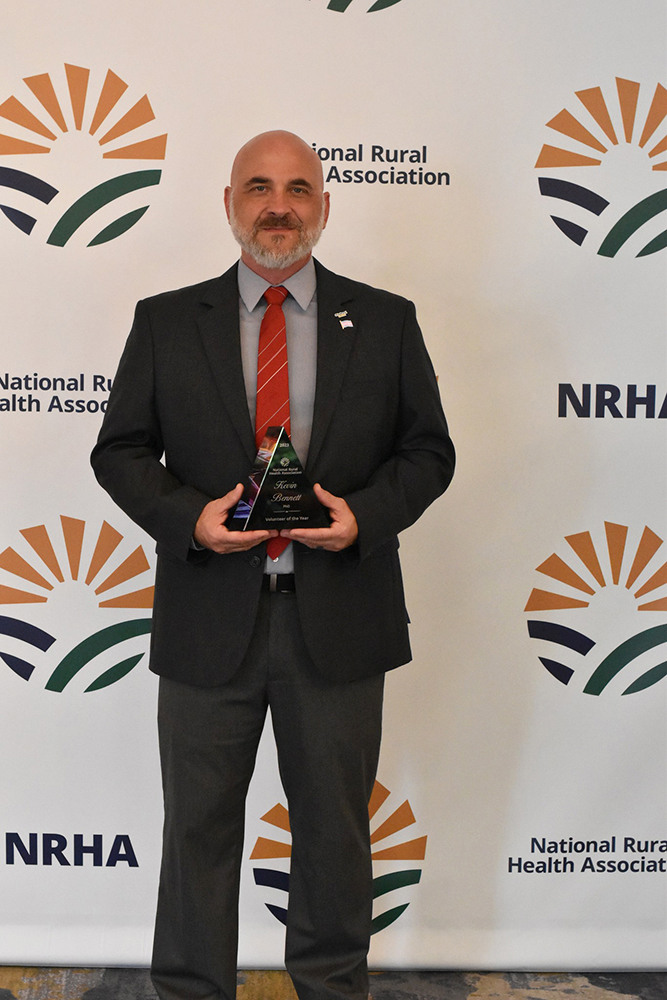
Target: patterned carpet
x=134 y=984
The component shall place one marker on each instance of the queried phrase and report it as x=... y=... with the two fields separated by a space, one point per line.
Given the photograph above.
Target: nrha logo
x=610 y=585
x=76 y=127
x=605 y=180
x=61 y=578
x=389 y=852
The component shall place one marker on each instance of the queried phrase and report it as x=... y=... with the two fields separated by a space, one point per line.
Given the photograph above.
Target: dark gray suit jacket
x=379 y=439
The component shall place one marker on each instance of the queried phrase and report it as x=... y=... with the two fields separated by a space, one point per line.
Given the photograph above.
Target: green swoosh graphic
x=633 y=219
x=395 y=880
x=624 y=654
x=387 y=883
x=342 y=5
x=388 y=917
x=97 y=198
x=659 y=243
x=114 y=673
x=648 y=679
x=78 y=657
x=118 y=227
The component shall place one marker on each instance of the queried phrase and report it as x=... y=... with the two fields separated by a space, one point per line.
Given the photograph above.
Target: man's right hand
x=211 y=533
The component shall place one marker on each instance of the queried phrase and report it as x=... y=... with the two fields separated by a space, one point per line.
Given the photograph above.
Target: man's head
x=275 y=202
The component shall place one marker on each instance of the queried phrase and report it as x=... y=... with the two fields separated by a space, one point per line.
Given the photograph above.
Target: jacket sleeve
x=421 y=465
x=127 y=458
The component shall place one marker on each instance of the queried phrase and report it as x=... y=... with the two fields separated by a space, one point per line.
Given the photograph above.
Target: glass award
x=277 y=494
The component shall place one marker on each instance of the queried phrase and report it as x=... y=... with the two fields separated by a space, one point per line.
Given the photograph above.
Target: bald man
x=308 y=631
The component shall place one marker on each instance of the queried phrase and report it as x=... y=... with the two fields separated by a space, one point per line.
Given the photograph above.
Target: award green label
x=277 y=494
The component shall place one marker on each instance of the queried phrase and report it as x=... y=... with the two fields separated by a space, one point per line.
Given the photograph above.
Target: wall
x=527 y=223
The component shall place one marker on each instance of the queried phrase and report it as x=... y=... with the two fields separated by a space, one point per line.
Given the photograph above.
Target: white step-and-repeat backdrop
x=505 y=166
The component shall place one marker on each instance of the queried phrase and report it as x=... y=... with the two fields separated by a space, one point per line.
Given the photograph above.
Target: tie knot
x=275 y=295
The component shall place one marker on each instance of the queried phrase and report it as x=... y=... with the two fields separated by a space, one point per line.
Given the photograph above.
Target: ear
x=326 y=209
x=228 y=200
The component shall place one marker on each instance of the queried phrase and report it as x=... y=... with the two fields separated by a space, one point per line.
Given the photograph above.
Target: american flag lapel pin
x=345 y=324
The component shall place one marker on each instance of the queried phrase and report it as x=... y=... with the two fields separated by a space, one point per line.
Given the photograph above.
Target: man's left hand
x=341 y=533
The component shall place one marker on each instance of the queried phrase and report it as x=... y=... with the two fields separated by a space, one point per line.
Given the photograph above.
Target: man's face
x=275 y=203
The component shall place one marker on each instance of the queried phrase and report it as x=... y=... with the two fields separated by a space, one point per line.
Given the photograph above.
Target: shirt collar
x=301 y=285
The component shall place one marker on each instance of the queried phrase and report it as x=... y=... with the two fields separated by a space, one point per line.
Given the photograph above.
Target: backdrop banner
x=505 y=167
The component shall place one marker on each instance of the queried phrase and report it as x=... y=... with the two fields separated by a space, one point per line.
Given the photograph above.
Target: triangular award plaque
x=277 y=494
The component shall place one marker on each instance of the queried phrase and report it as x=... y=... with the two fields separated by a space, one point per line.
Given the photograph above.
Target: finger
x=248 y=538
x=234 y=495
x=309 y=536
x=255 y=537
x=242 y=541
x=328 y=499
x=229 y=501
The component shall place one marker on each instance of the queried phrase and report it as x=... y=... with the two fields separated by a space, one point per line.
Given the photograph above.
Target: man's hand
x=341 y=533
x=210 y=530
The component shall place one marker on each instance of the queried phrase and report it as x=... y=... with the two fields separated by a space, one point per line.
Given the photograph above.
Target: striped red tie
x=272 y=406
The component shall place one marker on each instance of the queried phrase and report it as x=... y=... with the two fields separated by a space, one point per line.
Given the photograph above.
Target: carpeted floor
x=134 y=984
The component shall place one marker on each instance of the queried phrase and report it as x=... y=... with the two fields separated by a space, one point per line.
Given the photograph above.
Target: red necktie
x=272 y=406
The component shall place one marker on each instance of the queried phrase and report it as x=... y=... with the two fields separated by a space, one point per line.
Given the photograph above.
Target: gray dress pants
x=328 y=738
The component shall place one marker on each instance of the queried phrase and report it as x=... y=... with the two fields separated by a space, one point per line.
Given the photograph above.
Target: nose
x=278 y=202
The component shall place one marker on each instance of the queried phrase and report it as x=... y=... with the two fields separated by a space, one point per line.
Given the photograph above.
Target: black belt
x=279 y=583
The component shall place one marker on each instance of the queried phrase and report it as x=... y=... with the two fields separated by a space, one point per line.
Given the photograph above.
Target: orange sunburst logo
x=651 y=139
x=616 y=564
x=73 y=531
x=385 y=848
x=78 y=78
x=53 y=559
x=600 y=125
x=583 y=547
x=116 y=122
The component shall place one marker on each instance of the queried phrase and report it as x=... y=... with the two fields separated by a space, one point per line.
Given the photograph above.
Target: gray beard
x=275 y=257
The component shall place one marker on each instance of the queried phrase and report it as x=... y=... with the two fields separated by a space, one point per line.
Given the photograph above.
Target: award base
x=278 y=494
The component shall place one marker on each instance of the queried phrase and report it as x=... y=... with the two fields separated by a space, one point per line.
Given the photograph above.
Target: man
x=308 y=631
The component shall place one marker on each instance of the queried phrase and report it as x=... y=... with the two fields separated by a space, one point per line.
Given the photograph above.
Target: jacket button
x=255 y=561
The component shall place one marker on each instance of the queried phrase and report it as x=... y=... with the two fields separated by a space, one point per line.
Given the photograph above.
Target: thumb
x=328 y=499
x=233 y=496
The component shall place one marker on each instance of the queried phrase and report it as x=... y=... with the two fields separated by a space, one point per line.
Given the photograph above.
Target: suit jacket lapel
x=334 y=344
x=218 y=324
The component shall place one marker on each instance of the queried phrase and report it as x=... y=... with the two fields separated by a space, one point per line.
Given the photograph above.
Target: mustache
x=278 y=222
